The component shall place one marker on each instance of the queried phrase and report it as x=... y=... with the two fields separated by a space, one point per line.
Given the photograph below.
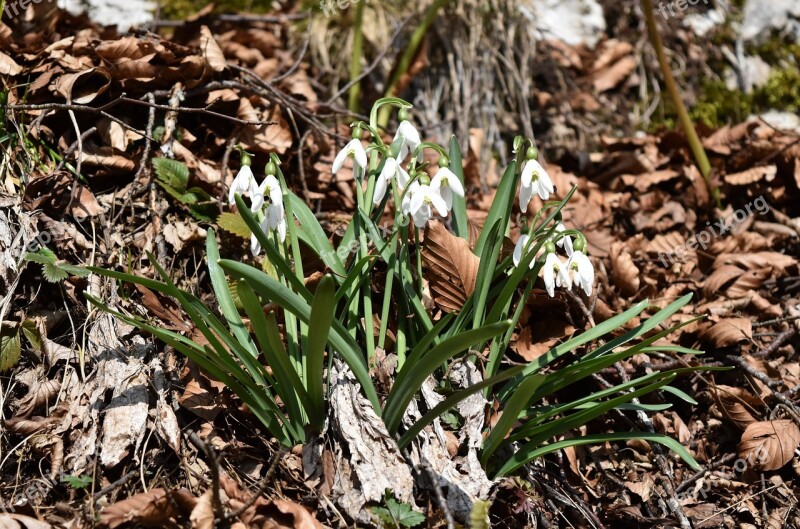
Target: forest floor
x=103 y=425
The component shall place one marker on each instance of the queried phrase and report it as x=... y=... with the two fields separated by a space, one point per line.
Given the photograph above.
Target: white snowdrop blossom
x=582 y=271
x=447 y=184
x=534 y=181
x=407 y=195
x=269 y=187
x=244 y=182
x=519 y=250
x=391 y=170
x=354 y=149
x=410 y=139
x=564 y=242
x=555 y=274
x=420 y=208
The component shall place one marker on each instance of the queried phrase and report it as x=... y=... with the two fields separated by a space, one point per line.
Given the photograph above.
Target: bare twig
x=72 y=148
x=213 y=465
x=266 y=481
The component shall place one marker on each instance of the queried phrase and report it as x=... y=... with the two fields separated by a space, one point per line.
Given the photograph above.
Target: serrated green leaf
x=233 y=223
x=10 y=348
x=77 y=482
x=41 y=256
x=398 y=514
x=31 y=332
x=171 y=173
x=53 y=274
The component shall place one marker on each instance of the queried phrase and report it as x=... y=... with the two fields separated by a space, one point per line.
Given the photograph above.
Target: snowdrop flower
x=271 y=187
x=447 y=184
x=410 y=139
x=582 y=271
x=244 y=182
x=391 y=170
x=354 y=149
x=407 y=195
x=534 y=180
x=564 y=242
x=555 y=274
x=520 y=246
x=421 y=201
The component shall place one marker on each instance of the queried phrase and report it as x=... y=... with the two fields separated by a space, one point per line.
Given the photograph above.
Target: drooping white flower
x=354 y=149
x=534 y=180
x=269 y=187
x=447 y=184
x=582 y=271
x=554 y=273
x=519 y=248
x=564 y=242
x=410 y=139
x=420 y=201
x=408 y=194
x=391 y=170
x=244 y=182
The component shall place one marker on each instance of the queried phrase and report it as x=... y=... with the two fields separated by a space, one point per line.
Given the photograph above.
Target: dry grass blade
x=452 y=267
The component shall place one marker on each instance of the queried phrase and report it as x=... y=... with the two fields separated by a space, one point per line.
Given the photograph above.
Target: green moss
x=181 y=9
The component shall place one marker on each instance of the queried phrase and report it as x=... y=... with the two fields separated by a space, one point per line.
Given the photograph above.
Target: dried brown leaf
x=737 y=404
x=211 y=51
x=452 y=267
x=751 y=176
x=150 y=509
x=624 y=272
x=727 y=332
x=769 y=445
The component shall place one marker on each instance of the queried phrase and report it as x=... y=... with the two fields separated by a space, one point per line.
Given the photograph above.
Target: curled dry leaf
x=727 y=332
x=751 y=176
x=10 y=520
x=452 y=267
x=769 y=445
x=624 y=272
x=737 y=404
x=211 y=50
x=38 y=395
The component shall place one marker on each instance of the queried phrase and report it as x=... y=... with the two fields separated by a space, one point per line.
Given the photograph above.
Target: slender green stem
x=355 y=62
x=672 y=88
x=410 y=52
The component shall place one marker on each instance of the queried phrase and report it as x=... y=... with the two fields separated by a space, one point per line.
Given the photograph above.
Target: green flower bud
x=549 y=247
x=402 y=114
x=444 y=161
x=532 y=153
x=580 y=244
x=271 y=168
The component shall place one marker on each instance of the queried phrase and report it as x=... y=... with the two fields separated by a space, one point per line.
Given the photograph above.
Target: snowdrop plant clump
x=350 y=313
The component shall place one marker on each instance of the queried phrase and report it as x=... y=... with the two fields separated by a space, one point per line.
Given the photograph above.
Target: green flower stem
x=355 y=63
x=672 y=88
x=366 y=291
x=410 y=52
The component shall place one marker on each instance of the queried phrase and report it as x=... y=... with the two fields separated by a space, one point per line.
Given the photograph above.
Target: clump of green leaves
x=173 y=177
x=396 y=514
x=54 y=270
x=11 y=342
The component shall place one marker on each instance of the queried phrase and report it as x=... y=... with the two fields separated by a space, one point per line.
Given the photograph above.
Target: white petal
x=409 y=134
x=517 y=256
x=525 y=194
x=389 y=170
x=422 y=216
x=339 y=161
x=359 y=154
x=438 y=202
x=380 y=190
x=255 y=246
x=417 y=200
x=527 y=172
x=402 y=176
x=282 y=229
x=548 y=274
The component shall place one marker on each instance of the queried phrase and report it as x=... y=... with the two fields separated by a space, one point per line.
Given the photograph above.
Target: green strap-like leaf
x=322 y=313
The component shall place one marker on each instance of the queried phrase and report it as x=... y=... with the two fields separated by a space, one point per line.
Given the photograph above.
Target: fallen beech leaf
x=753 y=175
x=8 y=66
x=452 y=267
x=615 y=74
x=624 y=272
x=9 y=520
x=727 y=332
x=769 y=445
x=211 y=50
x=150 y=509
x=737 y=404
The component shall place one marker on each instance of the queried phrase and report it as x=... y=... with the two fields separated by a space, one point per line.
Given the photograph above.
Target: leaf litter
x=103 y=401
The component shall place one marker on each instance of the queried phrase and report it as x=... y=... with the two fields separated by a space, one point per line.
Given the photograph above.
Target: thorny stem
x=672 y=88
